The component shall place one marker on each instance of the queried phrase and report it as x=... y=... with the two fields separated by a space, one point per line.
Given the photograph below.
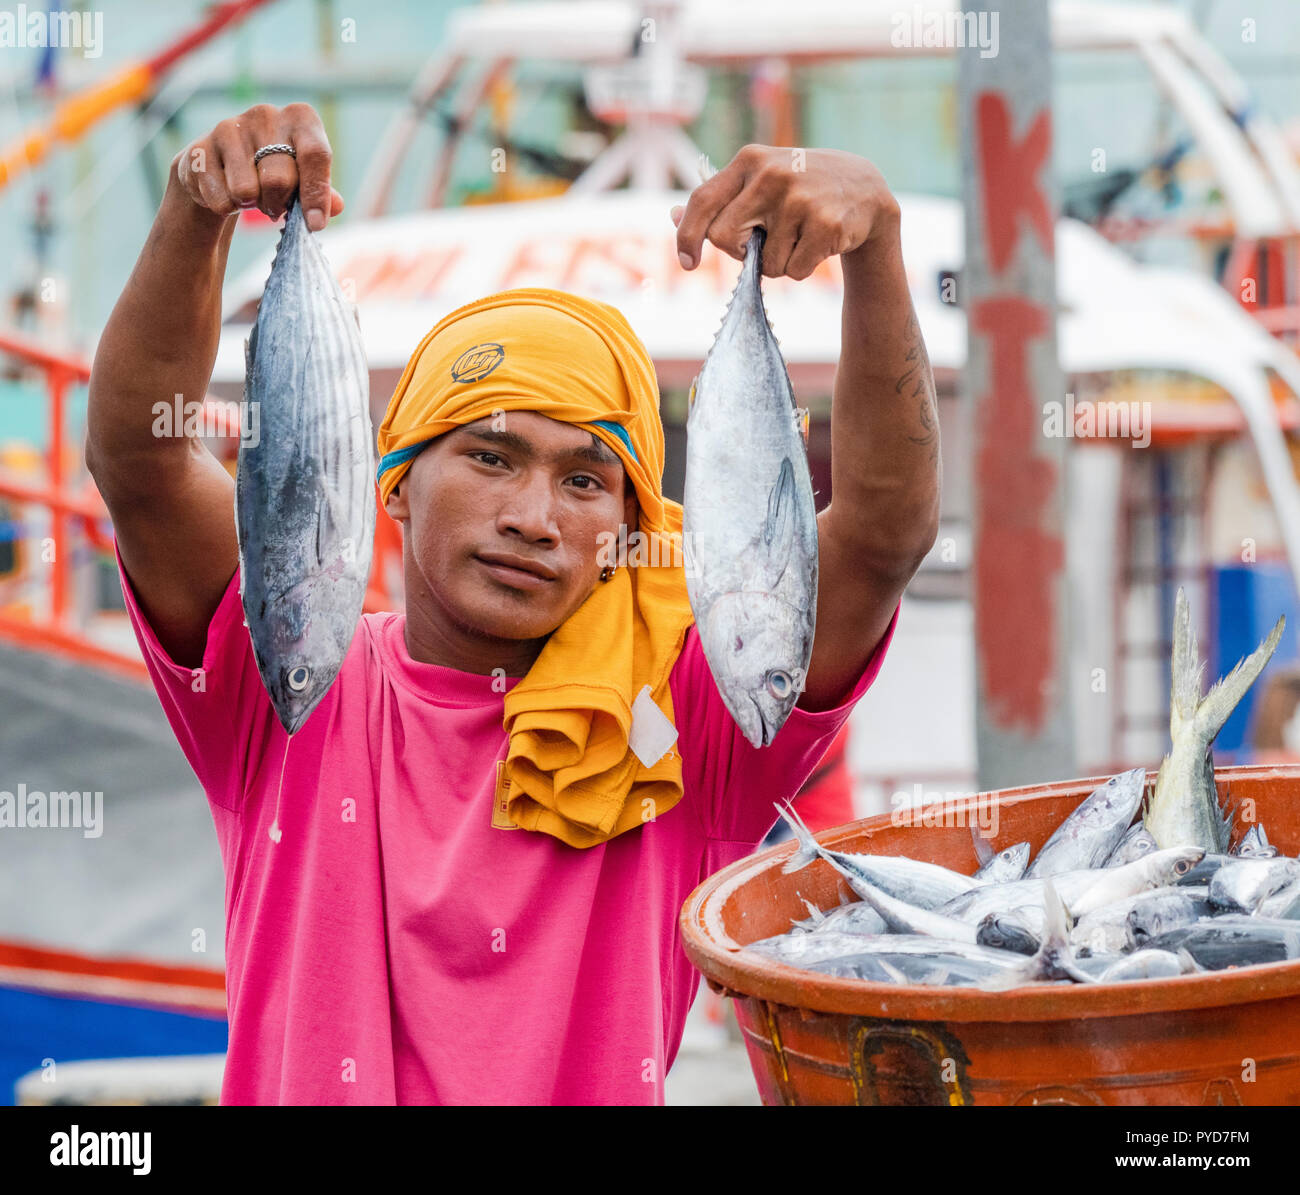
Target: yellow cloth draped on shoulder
x=570 y=770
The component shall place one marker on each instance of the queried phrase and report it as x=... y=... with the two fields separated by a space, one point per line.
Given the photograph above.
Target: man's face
x=488 y=502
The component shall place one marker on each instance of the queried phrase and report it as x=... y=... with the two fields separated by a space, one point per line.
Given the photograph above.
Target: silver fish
x=1136 y=843
x=855 y=918
x=1166 y=909
x=304 y=491
x=916 y=945
x=1081 y=891
x=1103 y=929
x=872 y=968
x=1100 y=935
x=1054 y=959
x=1184 y=811
x=1092 y=831
x=1254 y=845
x=1234 y=941
x=904 y=918
x=802 y=949
x=1206 y=870
x=1002 y=866
x=1097 y=963
x=925 y=885
x=938 y=969
x=1240 y=885
x=1157 y=870
x=750 y=520
x=1282 y=905
x=1018 y=930
x=1150 y=964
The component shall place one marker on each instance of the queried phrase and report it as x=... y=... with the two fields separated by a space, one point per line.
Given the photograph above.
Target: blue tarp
x=1247 y=601
x=36 y=1025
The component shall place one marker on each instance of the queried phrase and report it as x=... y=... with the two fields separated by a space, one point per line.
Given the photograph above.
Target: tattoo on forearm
x=912 y=381
x=915 y=383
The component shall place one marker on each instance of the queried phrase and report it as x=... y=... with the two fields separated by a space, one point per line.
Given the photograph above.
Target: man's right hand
x=218 y=174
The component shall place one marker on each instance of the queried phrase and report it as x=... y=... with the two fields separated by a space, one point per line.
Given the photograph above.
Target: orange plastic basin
x=1227 y=1037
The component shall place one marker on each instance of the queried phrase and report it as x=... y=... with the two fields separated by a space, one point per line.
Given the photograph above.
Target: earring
x=607 y=572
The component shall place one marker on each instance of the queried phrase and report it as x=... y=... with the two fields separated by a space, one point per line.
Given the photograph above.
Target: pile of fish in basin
x=1124 y=889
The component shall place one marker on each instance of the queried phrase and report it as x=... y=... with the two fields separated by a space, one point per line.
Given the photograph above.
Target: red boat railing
x=79 y=514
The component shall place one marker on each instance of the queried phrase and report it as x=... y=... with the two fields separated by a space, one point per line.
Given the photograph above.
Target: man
x=449 y=916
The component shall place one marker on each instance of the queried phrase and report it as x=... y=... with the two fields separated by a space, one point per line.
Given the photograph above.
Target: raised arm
x=171 y=501
x=884 y=511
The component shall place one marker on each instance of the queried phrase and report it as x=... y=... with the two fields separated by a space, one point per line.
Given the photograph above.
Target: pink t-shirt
x=395 y=947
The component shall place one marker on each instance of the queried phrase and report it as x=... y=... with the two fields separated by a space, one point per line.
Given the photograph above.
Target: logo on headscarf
x=473 y=365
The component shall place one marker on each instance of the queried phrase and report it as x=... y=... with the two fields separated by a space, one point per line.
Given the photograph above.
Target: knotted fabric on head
x=569 y=771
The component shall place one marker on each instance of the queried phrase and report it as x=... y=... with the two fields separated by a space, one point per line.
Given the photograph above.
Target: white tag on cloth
x=652 y=733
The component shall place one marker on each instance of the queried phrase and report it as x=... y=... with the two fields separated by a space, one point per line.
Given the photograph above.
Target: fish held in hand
x=1184 y=811
x=304 y=491
x=749 y=518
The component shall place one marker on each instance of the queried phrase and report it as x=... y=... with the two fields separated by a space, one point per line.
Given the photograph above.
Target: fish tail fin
x=984 y=852
x=808 y=848
x=1056 y=922
x=1223 y=698
x=752 y=270
x=1056 y=952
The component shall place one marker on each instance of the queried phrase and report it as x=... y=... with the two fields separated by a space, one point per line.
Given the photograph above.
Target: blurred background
x=492 y=145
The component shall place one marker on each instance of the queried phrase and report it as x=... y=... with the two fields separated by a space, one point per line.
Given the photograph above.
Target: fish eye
x=298 y=678
x=779 y=684
x=1182 y=867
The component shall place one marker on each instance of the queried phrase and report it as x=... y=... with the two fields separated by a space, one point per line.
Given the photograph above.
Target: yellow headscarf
x=569 y=770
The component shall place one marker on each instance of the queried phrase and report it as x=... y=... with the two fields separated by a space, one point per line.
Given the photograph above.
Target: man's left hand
x=813 y=204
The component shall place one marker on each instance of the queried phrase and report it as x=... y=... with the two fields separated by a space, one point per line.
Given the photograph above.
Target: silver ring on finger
x=266 y=150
